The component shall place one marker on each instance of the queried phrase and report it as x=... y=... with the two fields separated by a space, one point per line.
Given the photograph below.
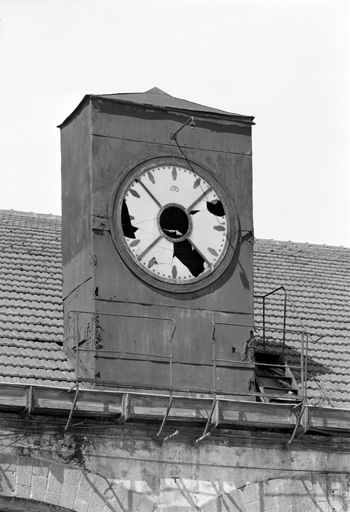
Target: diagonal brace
x=76 y=386
x=165 y=418
x=212 y=421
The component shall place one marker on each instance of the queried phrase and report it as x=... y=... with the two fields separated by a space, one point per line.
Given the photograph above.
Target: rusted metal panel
x=76 y=198
x=229 y=159
x=158 y=98
x=76 y=218
x=154 y=127
x=144 y=316
x=231 y=293
x=232 y=412
x=326 y=418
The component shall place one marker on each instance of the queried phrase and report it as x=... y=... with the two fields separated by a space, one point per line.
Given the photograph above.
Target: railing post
x=264 y=297
x=171 y=383
x=284 y=319
x=306 y=357
x=302 y=376
x=76 y=347
x=214 y=355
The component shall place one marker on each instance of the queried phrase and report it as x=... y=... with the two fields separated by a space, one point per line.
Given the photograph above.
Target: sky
x=285 y=62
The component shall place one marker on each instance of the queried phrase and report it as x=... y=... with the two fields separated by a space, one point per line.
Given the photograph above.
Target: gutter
x=123 y=406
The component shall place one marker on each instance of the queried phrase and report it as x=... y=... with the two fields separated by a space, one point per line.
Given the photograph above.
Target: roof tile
x=316 y=278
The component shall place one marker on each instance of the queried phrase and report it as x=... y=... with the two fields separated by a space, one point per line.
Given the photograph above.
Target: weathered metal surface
x=157 y=98
x=124 y=136
x=223 y=147
x=139 y=405
x=76 y=182
x=207 y=134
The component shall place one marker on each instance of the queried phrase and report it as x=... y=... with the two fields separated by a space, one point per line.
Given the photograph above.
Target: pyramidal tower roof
x=157 y=98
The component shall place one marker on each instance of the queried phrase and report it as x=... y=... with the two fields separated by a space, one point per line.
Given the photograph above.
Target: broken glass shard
x=189 y=257
x=216 y=208
x=128 y=229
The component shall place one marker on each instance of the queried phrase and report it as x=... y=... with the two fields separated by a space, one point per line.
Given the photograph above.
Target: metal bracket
x=173 y=137
x=302 y=421
x=164 y=420
x=29 y=401
x=170 y=436
x=125 y=408
x=189 y=121
x=214 y=414
x=76 y=386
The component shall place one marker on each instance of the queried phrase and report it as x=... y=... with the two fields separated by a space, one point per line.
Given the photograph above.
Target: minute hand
x=150 y=193
x=199 y=199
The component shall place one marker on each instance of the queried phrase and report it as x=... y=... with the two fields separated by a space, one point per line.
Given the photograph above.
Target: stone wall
x=126 y=469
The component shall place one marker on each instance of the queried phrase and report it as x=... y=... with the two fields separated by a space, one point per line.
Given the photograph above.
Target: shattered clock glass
x=174 y=223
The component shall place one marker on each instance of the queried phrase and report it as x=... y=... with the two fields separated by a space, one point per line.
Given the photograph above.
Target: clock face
x=173 y=222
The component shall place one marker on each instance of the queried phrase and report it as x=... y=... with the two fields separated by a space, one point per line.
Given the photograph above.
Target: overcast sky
x=286 y=62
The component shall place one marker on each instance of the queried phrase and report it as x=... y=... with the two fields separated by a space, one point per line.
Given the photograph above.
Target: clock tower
x=158 y=244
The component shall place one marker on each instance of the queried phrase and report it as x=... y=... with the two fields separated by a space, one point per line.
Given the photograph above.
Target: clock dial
x=173 y=222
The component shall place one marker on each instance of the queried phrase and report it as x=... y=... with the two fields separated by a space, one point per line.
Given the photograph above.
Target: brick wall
x=127 y=469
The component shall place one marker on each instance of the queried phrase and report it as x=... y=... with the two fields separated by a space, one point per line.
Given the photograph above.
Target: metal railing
x=304 y=334
x=98 y=353
x=79 y=353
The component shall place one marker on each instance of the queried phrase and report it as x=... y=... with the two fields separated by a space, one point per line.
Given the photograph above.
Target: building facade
x=186 y=368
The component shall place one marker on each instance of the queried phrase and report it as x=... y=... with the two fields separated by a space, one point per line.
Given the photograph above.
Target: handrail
x=96 y=314
x=304 y=333
x=264 y=297
x=169 y=358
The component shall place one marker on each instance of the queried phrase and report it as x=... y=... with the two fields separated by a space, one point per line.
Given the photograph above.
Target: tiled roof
x=31 y=316
x=316 y=278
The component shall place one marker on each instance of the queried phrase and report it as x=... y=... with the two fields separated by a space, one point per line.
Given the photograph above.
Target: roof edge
x=76 y=111
x=244 y=119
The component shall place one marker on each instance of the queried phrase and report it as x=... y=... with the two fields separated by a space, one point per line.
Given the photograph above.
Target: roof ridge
x=257 y=239
x=31 y=214
x=153 y=90
x=291 y=242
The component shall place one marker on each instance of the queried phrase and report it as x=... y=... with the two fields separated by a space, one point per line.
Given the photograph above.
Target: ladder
x=274 y=379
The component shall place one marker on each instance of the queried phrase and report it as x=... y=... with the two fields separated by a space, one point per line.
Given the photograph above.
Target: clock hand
x=198 y=199
x=149 y=192
x=200 y=252
x=145 y=251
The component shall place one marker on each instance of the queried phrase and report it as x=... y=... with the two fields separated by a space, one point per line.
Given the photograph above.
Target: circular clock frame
x=163 y=214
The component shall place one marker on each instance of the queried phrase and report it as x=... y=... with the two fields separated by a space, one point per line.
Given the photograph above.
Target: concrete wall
x=126 y=469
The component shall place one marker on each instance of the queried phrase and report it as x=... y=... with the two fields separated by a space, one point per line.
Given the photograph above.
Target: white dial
x=174 y=223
